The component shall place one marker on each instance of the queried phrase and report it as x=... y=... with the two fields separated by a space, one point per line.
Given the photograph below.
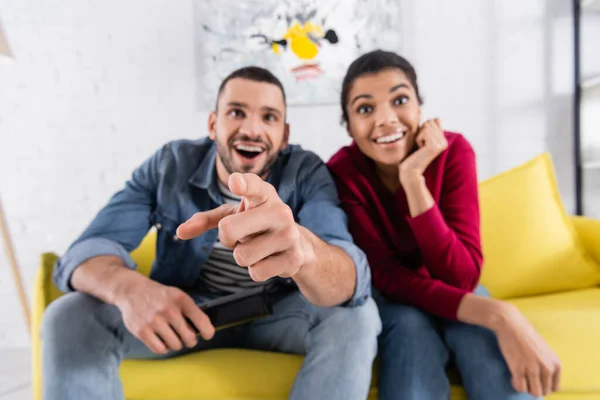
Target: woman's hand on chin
x=431 y=143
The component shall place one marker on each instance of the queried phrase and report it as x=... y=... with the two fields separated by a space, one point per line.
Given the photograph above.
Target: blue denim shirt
x=179 y=180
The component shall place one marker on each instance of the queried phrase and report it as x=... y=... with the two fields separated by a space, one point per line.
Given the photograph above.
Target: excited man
x=280 y=229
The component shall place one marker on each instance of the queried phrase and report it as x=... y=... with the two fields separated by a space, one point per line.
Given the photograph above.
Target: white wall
x=98 y=86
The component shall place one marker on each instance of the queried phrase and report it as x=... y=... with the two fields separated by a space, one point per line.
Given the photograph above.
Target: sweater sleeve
x=448 y=234
x=390 y=277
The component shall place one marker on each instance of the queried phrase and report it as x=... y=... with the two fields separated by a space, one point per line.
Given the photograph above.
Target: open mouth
x=391 y=138
x=248 y=152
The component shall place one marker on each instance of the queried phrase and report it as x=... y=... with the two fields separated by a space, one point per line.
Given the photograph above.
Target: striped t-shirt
x=221 y=274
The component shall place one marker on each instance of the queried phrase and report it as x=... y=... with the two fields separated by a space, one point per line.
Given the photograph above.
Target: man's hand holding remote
x=154 y=313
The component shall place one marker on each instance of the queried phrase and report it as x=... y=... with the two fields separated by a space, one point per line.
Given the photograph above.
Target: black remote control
x=236 y=309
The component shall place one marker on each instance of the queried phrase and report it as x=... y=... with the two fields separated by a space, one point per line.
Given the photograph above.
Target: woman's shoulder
x=343 y=162
x=459 y=156
x=457 y=142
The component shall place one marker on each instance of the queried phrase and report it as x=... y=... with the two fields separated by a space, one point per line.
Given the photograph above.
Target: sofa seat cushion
x=231 y=374
x=212 y=374
x=570 y=323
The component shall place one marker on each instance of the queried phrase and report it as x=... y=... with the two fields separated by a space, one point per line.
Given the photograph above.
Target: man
x=246 y=181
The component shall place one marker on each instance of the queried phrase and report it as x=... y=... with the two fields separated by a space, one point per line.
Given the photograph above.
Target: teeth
x=390 y=138
x=253 y=149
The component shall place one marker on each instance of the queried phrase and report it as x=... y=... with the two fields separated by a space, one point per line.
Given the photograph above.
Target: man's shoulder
x=177 y=160
x=297 y=151
x=188 y=147
x=297 y=158
x=303 y=171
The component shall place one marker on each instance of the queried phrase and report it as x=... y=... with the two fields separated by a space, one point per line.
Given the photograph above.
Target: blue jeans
x=415 y=350
x=85 y=340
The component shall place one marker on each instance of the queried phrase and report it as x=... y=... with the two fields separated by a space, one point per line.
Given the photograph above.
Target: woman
x=410 y=192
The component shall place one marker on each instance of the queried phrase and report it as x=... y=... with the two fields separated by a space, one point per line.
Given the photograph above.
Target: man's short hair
x=252 y=73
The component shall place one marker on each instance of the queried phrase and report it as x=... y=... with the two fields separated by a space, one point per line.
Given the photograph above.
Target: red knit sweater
x=432 y=260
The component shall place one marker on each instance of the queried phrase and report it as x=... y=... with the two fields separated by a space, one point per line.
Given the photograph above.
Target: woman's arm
x=448 y=234
x=389 y=276
x=534 y=367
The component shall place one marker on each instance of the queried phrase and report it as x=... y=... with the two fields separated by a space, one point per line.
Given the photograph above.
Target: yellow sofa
x=537 y=257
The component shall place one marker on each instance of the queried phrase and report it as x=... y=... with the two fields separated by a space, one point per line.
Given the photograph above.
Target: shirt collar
x=205 y=175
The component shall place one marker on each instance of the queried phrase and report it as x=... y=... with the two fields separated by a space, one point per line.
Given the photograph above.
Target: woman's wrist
x=411 y=178
x=484 y=311
x=418 y=196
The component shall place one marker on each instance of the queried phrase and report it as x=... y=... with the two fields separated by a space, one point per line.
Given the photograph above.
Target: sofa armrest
x=43 y=293
x=588 y=230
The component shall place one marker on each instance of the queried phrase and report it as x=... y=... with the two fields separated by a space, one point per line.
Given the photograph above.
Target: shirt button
x=158 y=225
x=175 y=238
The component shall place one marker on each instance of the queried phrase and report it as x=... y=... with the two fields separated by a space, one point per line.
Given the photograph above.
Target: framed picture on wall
x=307 y=44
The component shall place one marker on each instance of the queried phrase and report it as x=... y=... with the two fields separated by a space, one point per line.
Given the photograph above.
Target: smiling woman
x=410 y=191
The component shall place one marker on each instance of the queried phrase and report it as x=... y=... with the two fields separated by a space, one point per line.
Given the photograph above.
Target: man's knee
x=68 y=316
x=360 y=324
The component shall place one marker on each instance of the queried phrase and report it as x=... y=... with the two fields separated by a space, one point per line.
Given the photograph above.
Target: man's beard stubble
x=224 y=153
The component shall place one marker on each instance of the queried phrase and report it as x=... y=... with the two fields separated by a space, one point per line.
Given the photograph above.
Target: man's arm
x=98 y=263
x=319 y=255
x=116 y=230
x=340 y=270
x=328 y=278
x=103 y=277
x=152 y=312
